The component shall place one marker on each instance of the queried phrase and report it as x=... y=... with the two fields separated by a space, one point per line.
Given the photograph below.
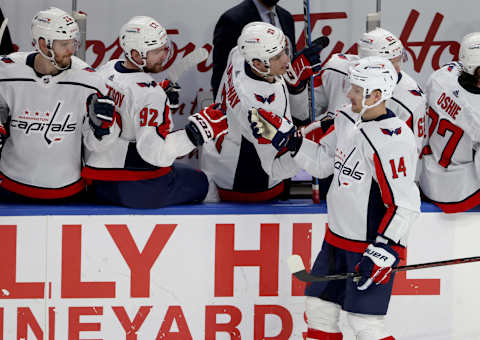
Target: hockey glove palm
x=172 y=90
x=101 y=114
x=305 y=64
x=268 y=127
x=208 y=124
x=376 y=265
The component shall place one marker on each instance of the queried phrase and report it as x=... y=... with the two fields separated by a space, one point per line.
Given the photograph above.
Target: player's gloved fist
x=268 y=127
x=172 y=90
x=305 y=64
x=3 y=135
x=376 y=265
x=208 y=124
x=101 y=112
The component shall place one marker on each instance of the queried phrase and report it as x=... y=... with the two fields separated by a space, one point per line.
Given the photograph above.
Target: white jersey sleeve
x=156 y=143
x=318 y=158
x=395 y=167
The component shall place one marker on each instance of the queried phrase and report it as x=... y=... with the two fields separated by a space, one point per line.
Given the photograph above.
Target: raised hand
x=172 y=90
x=305 y=64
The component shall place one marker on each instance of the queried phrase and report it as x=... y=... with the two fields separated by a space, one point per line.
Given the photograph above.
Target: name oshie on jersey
x=44 y=122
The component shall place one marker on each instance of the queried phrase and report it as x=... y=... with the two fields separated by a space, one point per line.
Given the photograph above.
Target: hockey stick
x=311 y=96
x=175 y=72
x=3 y=27
x=298 y=270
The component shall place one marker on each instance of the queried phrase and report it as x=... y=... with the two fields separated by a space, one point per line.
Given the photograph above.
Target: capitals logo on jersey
x=150 y=84
x=348 y=167
x=44 y=122
x=264 y=100
x=418 y=92
x=393 y=132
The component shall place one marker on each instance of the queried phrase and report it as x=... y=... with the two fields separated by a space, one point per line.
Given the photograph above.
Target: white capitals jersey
x=240 y=163
x=373 y=191
x=408 y=100
x=46 y=117
x=451 y=165
x=146 y=146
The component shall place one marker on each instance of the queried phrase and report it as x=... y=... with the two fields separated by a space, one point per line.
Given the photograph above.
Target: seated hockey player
x=137 y=171
x=451 y=164
x=243 y=168
x=372 y=156
x=50 y=101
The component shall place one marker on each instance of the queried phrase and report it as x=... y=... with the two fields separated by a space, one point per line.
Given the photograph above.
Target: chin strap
x=52 y=59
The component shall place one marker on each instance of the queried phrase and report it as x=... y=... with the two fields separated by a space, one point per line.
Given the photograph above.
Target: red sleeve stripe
x=387 y=194
x=387 y=218
x=164 y=128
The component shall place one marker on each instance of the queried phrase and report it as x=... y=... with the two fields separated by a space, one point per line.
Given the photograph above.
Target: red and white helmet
x=469 y=54
x=379 y=42
x=53 y=24
x=143 y=34
x=374 y=73
x=261 y=41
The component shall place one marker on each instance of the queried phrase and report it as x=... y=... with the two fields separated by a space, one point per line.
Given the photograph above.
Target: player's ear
x=259 y=65
x=377 y=95
x=136 y=56
x=42 y=44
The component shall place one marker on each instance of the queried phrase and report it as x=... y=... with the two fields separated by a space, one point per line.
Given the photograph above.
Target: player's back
x=332 y=85
x=449 y=174
x=409 y=104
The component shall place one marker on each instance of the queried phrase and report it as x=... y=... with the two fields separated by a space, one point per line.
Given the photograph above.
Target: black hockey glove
x=172 y=90
x=101 y=112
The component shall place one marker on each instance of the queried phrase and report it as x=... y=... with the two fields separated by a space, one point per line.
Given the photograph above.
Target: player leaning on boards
x=49 y=102
x=372 y=201
x=451 y=164
x=244 y=168
x=137 y=171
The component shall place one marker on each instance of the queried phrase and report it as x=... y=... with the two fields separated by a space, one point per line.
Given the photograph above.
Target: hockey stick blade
x=298 y=270
x=3 y=27
x=190 y=60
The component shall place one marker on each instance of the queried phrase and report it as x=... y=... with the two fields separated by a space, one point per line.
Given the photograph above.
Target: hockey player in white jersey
x=244 y=168
x=138 y=170
x=408 y=101
x=372 y=201
x=451 y=163
x=49 y=102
